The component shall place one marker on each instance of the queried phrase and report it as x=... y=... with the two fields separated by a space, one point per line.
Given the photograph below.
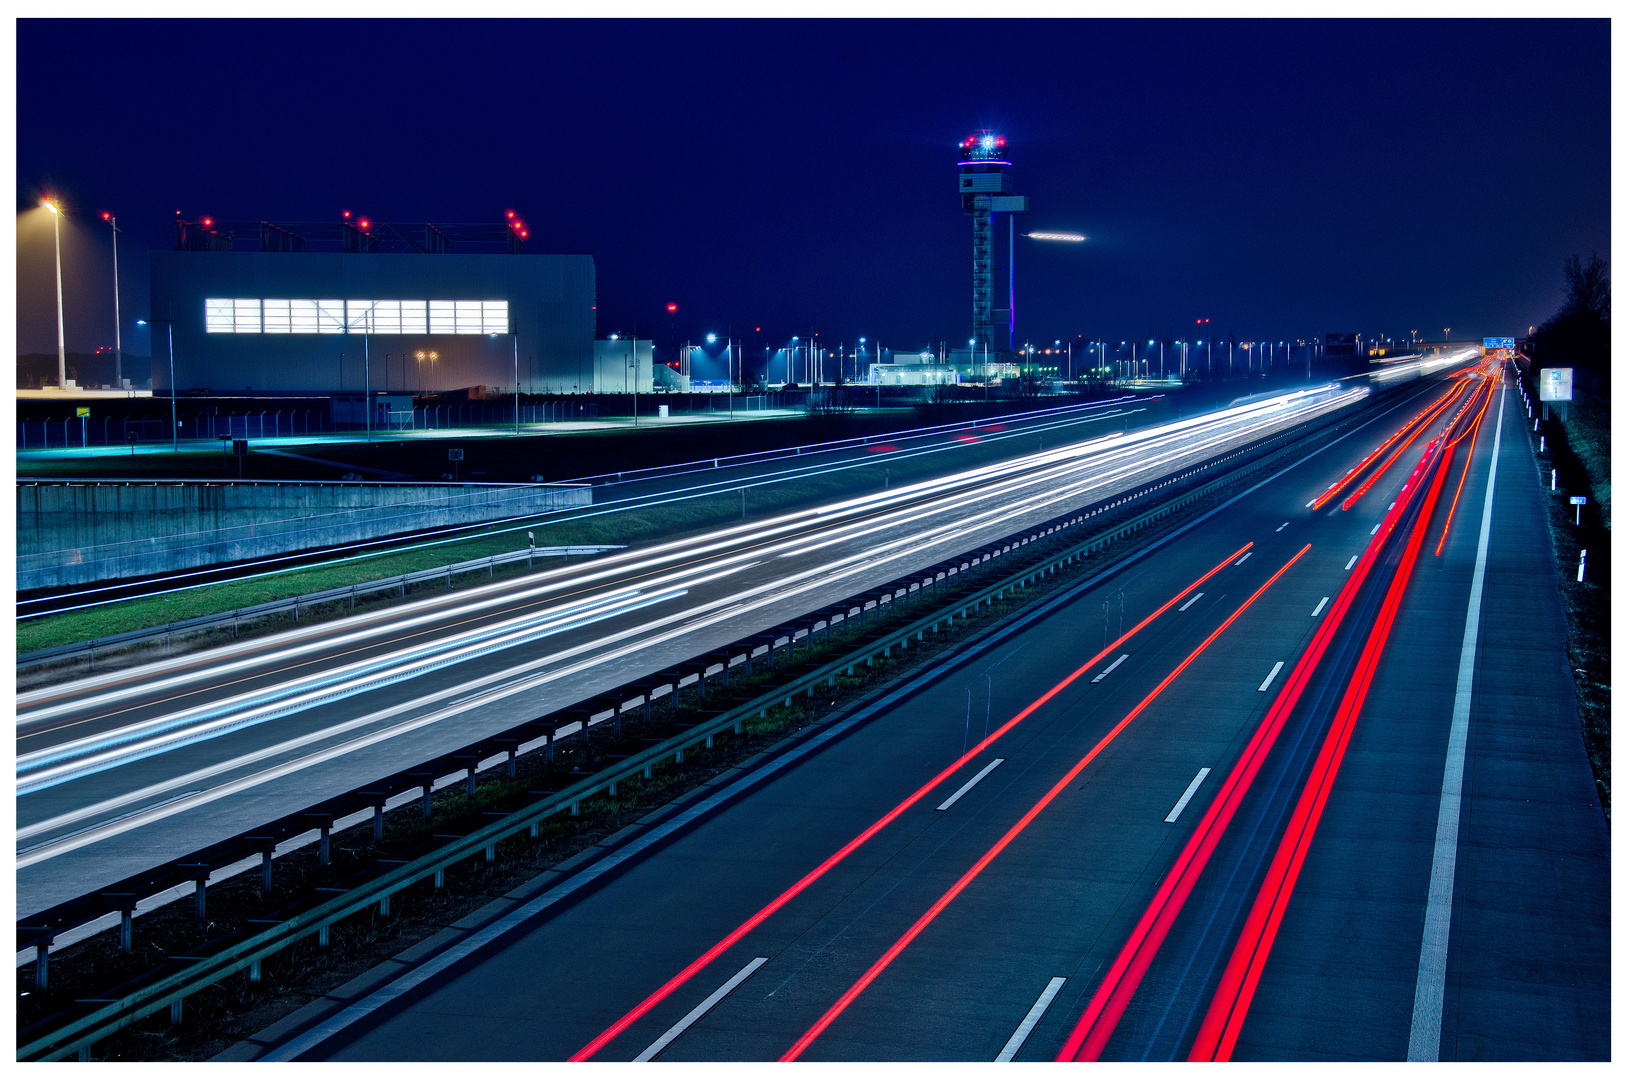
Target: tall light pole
x=515 y=357
x=118 y=346
x=62 y=347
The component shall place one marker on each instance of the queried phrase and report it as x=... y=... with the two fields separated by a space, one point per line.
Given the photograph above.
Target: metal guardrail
x=170 y=991
x=345 y=592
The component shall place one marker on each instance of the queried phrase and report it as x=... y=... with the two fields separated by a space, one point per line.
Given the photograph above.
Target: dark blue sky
x=1281 y=178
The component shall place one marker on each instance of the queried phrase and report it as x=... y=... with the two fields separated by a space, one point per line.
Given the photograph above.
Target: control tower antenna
x=987 y=190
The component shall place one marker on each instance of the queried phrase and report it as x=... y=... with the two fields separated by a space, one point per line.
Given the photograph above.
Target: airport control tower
x=987 y=190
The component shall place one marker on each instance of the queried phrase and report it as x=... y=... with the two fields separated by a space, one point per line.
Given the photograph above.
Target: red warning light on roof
x=106 y=215
x=363 y=223
x=509 y=213
x=673 y=308
x=345 y=213
x=209 y=221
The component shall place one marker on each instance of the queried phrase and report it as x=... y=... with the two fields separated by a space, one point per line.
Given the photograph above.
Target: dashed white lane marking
x=1378 y=525
x=1191 y=600
x=1319 y=607
x=697 y=1013
x=1023 y=1032
x=1243 y=558
x=1278 y=664
x=1189 y=793
x=1351 y=562
x=1309 y=503
x=1111 y=668
x=1282 y=527
x=964 y=790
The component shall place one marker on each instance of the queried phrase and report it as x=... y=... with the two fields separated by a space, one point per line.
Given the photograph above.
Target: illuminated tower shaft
x=983 y=220
x=986 y=188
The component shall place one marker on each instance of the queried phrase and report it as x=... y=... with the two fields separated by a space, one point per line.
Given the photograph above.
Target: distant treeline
x=90 y=370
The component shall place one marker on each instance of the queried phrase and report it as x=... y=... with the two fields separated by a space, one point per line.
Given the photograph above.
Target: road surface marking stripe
x=1375 y=527
x=1023 y=1032
x=1351 y=562
x=697 y=1013
x=1282 y=527
x=793 y=1052
x=1243 y=558
x=1115 y=665
x=966 y=788
x=1319 y=607
x=1278 y=664
x=1427 y=1017
x=1189 y=793
x=1191 y=600
x=1308 y=504
x=684 y=975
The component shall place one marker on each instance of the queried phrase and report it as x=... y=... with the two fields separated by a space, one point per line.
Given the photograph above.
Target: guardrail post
x=254 y=972
x=175 y=1012
x=437 y=879
x=509 y=765
x=266 y=872
x=679 y=755
x=379 y=822
x=322 y=936
x=549 y=745
x=427 y=801
x=322 y=844
x=470 y=781
x=198 y=897
x=385 y=906
x=42 y=965
x=492 y=852
x=125 y=930
x=574 y=810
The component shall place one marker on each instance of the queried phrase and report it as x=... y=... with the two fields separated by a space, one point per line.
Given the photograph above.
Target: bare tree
x=1586 y=287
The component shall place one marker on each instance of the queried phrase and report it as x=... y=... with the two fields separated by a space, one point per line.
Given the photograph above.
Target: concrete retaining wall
x=74 y=534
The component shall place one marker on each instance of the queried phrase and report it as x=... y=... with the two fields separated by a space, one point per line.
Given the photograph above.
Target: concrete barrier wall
x=76 y=533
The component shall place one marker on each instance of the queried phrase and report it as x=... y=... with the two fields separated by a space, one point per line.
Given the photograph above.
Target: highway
x=1304 y=782
x=127 y=769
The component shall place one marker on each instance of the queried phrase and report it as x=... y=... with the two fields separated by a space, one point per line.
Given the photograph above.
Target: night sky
x=1281 y=178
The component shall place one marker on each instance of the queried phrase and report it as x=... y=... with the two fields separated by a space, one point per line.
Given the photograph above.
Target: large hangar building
x=387 y=307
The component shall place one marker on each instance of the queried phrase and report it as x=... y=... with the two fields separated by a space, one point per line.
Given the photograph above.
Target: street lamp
x=118 y=346
x=62 y=348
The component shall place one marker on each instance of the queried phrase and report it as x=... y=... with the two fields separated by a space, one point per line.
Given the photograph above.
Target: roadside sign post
x=1578 y=501
x=455 y=456
x=84 y=414
x=1556 y=384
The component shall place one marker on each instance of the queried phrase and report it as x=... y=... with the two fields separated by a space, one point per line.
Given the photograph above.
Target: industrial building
x=387 y=307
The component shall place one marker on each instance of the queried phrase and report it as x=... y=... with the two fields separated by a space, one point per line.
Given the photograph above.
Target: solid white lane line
x=1351 y=562
x=1278 y=664
x=964 y=790
x=1111 y=668
x=1373 y=528
x=697 y=1013
x=1427 y=1016
x=1191 y=600
x=1023 y=1032
x=1282 y=527
x=1319 y=607
x=1243 y=558
x=1189 y=793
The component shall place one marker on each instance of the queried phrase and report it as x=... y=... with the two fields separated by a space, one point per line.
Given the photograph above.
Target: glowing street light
x=62 y=347
x=1074 y=238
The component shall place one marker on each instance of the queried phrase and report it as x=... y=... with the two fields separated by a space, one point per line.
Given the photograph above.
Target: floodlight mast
x=987 y=190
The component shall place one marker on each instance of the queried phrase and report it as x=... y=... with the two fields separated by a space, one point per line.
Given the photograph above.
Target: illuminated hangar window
x=236 y=316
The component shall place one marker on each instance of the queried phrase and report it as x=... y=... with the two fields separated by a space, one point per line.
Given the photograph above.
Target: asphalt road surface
x=1415 y=867
x=129 y=769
